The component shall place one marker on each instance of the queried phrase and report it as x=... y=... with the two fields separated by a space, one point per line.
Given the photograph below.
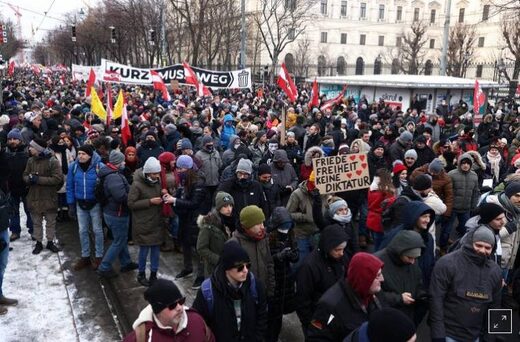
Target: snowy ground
x=49 y=308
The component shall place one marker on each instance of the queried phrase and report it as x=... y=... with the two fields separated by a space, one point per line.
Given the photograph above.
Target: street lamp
x=112 y=34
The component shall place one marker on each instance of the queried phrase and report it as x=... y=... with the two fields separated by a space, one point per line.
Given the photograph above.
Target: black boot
x=52 y=247
x=38 y=248
x=153 y=278
x=141 y=279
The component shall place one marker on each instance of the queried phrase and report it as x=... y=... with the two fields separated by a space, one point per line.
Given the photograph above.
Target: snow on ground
x=48 y=308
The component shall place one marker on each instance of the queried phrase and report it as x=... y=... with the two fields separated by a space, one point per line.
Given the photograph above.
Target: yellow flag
x=118 y=107
x=96 y=106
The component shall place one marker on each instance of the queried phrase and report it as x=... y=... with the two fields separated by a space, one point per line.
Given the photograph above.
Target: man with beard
x=465 y=285
x=149 y=148
x=167 y=319
x=271 y=190
x=17 y=156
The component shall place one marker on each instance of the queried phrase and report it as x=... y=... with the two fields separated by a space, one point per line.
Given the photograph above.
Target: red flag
x=330 y=103
x=478 y=98
x=518 y=89
x=126 y=135
x=62 y=79
x=191 y=78
x=286 y=83
x=109 y=103
x=11 y=68
x=158 y=84
x=315 y=100
x=90 y=82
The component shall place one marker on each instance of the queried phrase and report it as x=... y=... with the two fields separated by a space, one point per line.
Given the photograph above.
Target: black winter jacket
x=251 y=193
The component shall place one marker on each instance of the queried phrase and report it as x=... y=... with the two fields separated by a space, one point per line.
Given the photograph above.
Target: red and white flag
x=315 y=100
x=478 y=98
x=191 y=78
x=108 y=90
x=126 y=135
x=286 y=83
x=10 y=71
x=62 y=79
x=330 y=103
x=158 y=84
x=90 y=82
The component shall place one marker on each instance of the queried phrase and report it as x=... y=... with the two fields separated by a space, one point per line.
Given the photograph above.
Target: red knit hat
x=362 y=271
x=398 y=167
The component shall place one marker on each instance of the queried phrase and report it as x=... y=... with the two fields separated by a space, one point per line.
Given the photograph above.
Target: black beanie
x=390 y=324
x=264 y=169
x=512 y=188
x=88 y=149
x=233 y=254
x=422 y=182
x=161 y=294
x=489 y=211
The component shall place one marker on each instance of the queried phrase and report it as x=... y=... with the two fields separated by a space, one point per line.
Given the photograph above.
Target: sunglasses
x=177 y=302
x=240 y=267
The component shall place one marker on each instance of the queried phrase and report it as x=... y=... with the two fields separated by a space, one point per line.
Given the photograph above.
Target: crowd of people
x=228 y=181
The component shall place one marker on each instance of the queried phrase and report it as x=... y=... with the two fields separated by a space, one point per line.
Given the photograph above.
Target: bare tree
x=13 y=45
x=302 y=56
x=411 y=52
x=280 y=23
x=511 y=35
x=461 y=49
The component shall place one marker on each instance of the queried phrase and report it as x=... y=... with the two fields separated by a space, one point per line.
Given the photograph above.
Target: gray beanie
x=406 y=136
x=245 y=165
x=334 y=206
x=410 y=154
x=436 y=166
x=484 y=234
x=223 y=198
x=116 y=157
x=152 y=165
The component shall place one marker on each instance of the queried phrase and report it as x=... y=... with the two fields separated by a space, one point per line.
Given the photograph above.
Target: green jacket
x=211 y=239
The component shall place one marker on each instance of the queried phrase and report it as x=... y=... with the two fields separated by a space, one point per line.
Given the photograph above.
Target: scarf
x=494 y=162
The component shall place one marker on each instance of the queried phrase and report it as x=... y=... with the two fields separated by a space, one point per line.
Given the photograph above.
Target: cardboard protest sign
x=341 y=173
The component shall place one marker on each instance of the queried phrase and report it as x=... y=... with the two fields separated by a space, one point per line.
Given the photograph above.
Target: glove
x=283 y=254
x=72 y=211
x=294 y=255
x=511 y=227
x=33 y=179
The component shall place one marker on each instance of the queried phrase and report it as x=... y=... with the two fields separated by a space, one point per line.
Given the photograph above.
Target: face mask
x=273 y=147
x=403 y=182
x=423 y=195
x=236 y=146
x=210 y=148
x=244 y=182
x=151 y=180
x=282 y=231
x=342 y=218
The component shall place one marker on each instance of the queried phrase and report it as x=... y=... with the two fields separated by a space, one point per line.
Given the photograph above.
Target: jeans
x=174 y=226
x=4 y=254
x=305 y=247
x=154 y=258
x=448 y=226
x=14 y=225
x=85 y=218
x=378 y=238
x=119 y=248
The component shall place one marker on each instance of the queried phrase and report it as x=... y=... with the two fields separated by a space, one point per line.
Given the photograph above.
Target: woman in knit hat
x=171 y=224
x=215 y=229
x=399 y=176
x=381 y=191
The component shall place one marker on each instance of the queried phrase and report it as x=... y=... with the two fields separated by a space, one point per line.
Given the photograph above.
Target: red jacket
x=375 y=198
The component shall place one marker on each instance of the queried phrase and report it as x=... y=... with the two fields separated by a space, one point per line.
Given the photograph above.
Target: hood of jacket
x=228 y=117
x=106 y=170
x=465 y=155
x=146 y=315
x=279 y=216
x=331 y=237
x=404 y=240
x=232 y=140
x=212 y=218
x=412 y=211
x=478 y=162
x=310 y=152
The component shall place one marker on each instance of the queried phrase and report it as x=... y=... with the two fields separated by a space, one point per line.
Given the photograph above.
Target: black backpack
x=99 y=191
x=389 y=212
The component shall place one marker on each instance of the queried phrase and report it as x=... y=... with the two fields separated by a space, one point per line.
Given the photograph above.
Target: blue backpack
x=207 y=291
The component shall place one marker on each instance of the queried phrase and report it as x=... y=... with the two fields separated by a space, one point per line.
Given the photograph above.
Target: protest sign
x=341 y=173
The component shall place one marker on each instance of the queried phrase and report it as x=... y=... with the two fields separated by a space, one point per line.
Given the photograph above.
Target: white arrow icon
x=495 y=325
x=504 y=317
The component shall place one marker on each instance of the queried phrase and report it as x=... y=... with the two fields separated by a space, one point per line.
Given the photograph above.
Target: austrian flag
x=158 y=84
x=286 y=83
x=191 y=78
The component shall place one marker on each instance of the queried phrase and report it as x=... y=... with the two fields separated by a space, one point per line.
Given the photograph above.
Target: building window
x=323 y=37
x=461 y=15
x=398 y=41
x=480 y=41
x=341 y=66
x=381 y=12
x=377 y=66
x=290 y=34
x=323 y=7
x=432 y=43
x=399 y=15
x=360 y=66
x=395 y=66
x=480 y=67
x=343 y=8
x=363 y=10
x=428 y=67
x=432 y=16
x=343 y=38
x=290 y=4
x=322 y=66
x=381 y=41
x=362 y=39
x=416 y=12
x=485 y=13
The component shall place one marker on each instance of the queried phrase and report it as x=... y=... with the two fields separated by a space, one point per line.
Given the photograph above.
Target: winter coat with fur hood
x=306 y=167
x=213 y=234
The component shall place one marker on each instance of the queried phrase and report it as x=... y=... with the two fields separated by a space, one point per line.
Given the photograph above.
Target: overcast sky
x=33 y=14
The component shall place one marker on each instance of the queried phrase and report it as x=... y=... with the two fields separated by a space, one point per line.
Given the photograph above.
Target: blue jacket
x=410 y=213
x=227 y=131
x=116 y=190
x=80 y=184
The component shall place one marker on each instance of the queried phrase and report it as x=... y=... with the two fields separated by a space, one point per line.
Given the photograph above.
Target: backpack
x=99 y=191
x=207 y=291
x=389 y=212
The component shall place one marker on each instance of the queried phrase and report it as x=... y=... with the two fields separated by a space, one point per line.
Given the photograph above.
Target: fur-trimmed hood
x=477 y=160
x=212 y=219
x=310 y=152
